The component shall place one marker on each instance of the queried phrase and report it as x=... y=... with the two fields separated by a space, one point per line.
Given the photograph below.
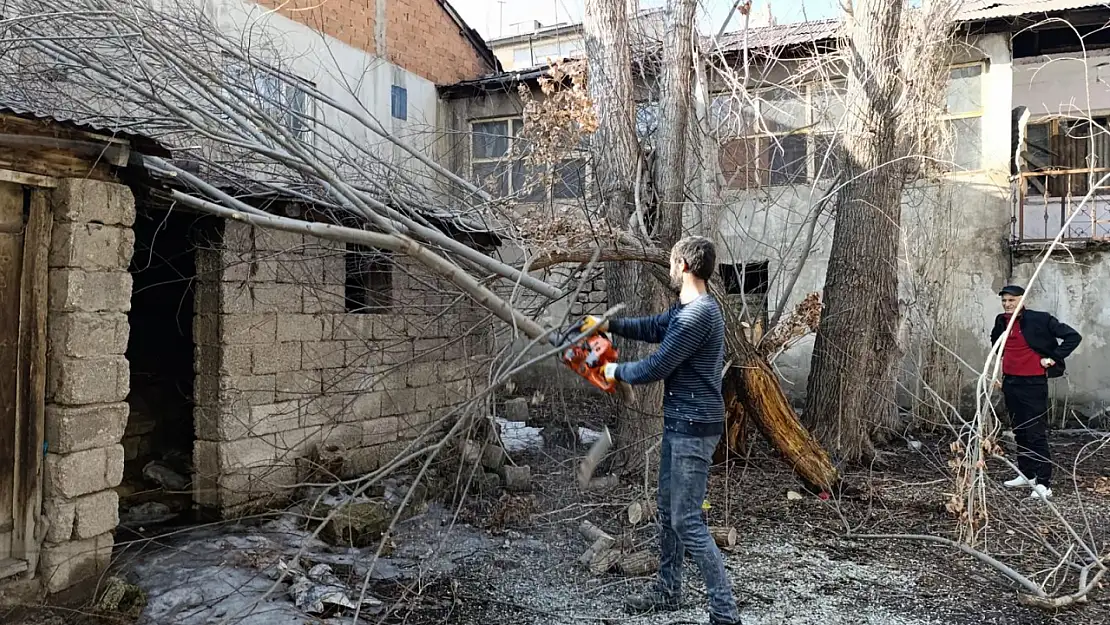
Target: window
x=1066 y=150
x=399 y=102
x=963 y=116
x=781 y=137
x=748 y=284
x=282 y=97
x=499 y=166
x=368 y=287
x=522 y=57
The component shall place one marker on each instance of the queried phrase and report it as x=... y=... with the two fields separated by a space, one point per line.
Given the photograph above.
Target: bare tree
x=851 y=391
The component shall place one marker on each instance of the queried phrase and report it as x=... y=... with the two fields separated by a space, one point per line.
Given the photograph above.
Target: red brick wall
x=419 y=35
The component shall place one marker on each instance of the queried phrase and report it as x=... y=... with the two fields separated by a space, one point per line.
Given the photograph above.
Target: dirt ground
x=511 y=559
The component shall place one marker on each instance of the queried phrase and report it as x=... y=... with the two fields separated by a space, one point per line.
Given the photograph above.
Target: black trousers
x=1027 y=403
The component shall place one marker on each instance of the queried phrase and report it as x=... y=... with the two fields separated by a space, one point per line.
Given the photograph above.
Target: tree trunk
x=615 y=155
x=851 y=382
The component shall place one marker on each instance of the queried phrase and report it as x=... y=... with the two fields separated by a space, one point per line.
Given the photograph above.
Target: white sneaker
x=1040 y=491
x=1018 y=482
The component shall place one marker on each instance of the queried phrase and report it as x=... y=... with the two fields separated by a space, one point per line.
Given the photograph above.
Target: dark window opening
x=369 y=281
x=746 y=288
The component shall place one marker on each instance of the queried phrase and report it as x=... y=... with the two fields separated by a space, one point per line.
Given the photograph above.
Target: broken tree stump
x=725 y=537
x=518 y=479
x=752 y=389
x=638 y=564
x=640 y=511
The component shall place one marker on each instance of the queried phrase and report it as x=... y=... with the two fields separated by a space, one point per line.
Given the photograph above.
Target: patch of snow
x=517 y=437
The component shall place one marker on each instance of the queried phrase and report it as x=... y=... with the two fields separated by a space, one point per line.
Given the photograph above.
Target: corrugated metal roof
x=781 y=35
x=9 y=108
x=993 y=9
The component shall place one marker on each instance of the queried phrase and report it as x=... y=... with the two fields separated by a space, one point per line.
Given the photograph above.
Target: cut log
x=640 y=511
x=638 y=564
x=493 y=456
x=593 y=532
x=605 y=562
x=602 y=544
x=518 y=479
x=601 y=483
x=725 y=537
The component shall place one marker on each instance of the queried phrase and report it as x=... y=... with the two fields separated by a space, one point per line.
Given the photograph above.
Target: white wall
x=354 y=77
x=1062 y=84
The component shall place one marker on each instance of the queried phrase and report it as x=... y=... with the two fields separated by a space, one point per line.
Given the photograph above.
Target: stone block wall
x=87 y=377
x=281 y=366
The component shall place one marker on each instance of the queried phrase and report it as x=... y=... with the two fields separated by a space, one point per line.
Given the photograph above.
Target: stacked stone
x=283 y=367
x=87 y=376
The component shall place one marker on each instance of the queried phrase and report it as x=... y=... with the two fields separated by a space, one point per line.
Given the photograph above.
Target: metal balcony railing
x=1046 y=200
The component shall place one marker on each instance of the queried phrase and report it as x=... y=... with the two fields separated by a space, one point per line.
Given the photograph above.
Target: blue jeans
x=683 y=479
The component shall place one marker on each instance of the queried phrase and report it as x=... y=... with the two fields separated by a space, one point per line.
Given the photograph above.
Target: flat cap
x=1012 y=289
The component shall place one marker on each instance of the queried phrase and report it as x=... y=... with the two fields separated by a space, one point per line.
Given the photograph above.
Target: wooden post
x=32 y=343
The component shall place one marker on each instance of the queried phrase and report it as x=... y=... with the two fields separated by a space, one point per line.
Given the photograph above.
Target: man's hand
x=1047 y=362
x=998 y=384
x=593 y=325
x=610 y=372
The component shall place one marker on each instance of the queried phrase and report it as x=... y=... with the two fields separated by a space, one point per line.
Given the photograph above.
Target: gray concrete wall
x=282 y=367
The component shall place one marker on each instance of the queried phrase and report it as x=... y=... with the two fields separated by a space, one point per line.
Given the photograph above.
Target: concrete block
x=398 y=401
x=300 y=269
x=87 y=335
x=206 y=472
x=516 y=409
x=206 y=329
x=277 y=241
x=367 y=406
x=93 y=201
x=96 y=514
x=323 y=354
x=275 y=358
x=77 y=428
x=380 y=430
x=278 y=298
x=76 y=381
x=300 y=328
x=233 y=360
x=422 y=374
x=324 y=298
x=237 y=237
x=248 y=329
x=89 y=291
x=303 y=384
x=431 y=397
x=334 y=267
x=236 y=298
x=66 y=564
x=91 y=246
x=275 y=417
x=83 y=472
x=61 y=513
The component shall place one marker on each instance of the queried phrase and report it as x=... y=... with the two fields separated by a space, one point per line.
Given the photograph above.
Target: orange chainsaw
x=588 y=355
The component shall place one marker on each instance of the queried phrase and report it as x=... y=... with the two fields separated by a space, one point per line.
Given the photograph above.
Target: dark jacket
x=1046 y=335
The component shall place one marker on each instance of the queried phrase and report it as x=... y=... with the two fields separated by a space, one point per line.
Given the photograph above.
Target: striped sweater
x=689 y=361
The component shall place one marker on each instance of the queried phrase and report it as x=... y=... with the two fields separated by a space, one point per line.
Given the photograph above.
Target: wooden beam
x=32 y=379
x=10 y=567
x=30 y=180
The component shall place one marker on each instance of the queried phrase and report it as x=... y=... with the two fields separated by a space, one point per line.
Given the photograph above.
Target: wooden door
x=25 y=224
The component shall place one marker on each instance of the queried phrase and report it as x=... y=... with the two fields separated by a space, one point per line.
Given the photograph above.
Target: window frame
x=288 y=82
x=946 y=117
x=511 y=159
x=767 y=143
x=377 y=262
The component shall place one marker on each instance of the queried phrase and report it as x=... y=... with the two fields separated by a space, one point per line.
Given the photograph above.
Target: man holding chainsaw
x=691 y=338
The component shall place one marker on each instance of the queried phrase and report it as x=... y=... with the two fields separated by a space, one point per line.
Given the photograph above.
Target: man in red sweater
x=1034 y=351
